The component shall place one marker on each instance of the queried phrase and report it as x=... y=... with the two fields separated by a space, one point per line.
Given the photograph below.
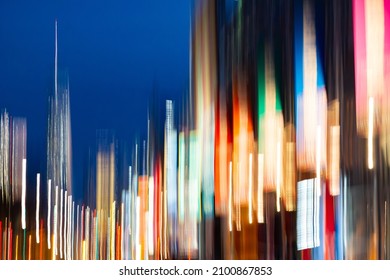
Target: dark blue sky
x=115 y=52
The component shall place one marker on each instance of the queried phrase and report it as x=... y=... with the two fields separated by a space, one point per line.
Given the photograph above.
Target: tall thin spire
x=55 y=64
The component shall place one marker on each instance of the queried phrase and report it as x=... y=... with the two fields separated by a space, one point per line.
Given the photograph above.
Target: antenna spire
x=56 y=64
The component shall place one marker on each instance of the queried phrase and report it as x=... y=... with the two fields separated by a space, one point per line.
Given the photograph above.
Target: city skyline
x=99 y=49
x=271 y=140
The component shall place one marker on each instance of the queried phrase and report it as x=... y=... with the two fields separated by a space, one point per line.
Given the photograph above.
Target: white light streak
x=24 y=194
x=61 y=210
x=65 y=217
x=48 y=213
x=37 y=209
x=137 y=230
x=55 y=221
x=260 y=187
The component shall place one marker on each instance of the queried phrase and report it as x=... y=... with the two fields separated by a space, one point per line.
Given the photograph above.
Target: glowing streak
x=237 y=193
x=278 y=175
x=230 y=197
x=145 y=243
x=151 y=216
x=370 y=132
x=72 y=233
x=318 y=161
x=122 y=230
x=24 y=194
x=16 y=247
x=260 y=187
x=87 y=216
x=37 y=209
x=137 y=230
x=83 y=250
x=29 y=247
x=77 y=233
x=69 y=229
x=53 y=256
x=250 y=190
x=113 y=231
x=55 y=221
x=61 y=209
x=165 y=224
x=65 y=225
x=48 y=214
x=56 y=63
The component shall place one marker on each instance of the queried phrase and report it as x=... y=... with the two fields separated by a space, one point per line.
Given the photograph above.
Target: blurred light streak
x=318 y=161
x=24 y=193
x=137 y=234
x=48 y=214
x=29 y=247
x=36 y=211
x=250 y=210
x=16 y=247
x=230 y=197
x=260 y=189
x=370 y=155
x=61 y=221
x=278 y=174
x=188 y=191
x=55 y=226
x=112 y=218
x=151 y=217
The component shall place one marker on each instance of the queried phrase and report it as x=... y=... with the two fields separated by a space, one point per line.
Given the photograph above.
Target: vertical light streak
x=69 y=229
x=37 y=209
x=278 y=174
x=86 y=237
x=48 y=213
x=10 y=241
x=181 y=180
x=29 y=247
x=83 y=249
x=72 y=233
x=318 y=161
x=137 y=237
x=151 y=216
x=370 y=132
x=230 y=196
x=65 y=224
x=165 y=224
x=16 y=247
x=260 y=187
x=237 y=194
x=335 y=161
x=122 y=250
x=61 y=210
x=77 y=234
x=55 y=214
x=250 y=210
x=24 y=194
x=113 y=230
x=1 y=241
x=302 y=232
x=145 y=245
x=56 y=63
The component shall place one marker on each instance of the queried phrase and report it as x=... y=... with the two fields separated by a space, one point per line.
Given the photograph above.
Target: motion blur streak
x=279 y=148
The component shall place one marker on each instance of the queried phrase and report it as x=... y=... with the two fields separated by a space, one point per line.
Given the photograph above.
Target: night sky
x=115 y=52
